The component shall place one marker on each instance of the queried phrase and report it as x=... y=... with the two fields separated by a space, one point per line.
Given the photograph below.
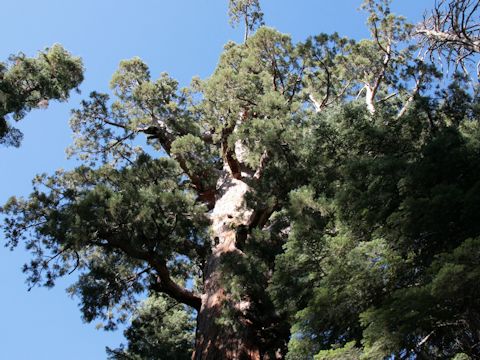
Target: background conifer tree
x=28 y=83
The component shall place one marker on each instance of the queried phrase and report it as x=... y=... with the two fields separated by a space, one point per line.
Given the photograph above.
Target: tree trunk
x=215 y=339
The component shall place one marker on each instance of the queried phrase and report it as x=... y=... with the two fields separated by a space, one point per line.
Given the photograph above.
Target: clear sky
x=182 y=37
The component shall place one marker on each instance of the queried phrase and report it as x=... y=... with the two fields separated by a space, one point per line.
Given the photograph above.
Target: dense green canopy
x=347 y=173
x=28 y=83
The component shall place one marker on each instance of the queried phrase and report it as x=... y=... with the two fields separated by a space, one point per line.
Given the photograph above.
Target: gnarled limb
x=452 y=31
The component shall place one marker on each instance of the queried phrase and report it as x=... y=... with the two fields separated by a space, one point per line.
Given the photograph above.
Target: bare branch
x=452 y=31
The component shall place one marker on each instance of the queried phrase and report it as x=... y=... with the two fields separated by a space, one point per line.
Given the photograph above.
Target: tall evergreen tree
x=28 y=83
x=311 y=200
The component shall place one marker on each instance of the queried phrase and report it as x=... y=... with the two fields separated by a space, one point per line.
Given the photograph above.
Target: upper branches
x=383 y=70
x=248 y=11
x=386 y=53
x=106 y=130
x=452 y=31
x=323 y=77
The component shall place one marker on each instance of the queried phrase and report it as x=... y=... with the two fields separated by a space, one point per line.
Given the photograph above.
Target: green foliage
x=391 y=267
x=247 y=11
x=348 y=352
x=160 y=329
x=436 y=313
x=462 y=356
x=363 y=237
x=28 y=83
x=198 y=157
x=143 y=210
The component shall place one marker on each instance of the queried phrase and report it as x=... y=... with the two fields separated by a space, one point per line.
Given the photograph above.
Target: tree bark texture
x=216 y=340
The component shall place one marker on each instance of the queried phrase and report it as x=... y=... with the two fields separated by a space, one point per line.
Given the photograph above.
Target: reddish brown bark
x=215 y=340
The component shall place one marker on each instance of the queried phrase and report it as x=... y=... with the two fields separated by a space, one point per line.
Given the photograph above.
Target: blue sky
x=182 y=37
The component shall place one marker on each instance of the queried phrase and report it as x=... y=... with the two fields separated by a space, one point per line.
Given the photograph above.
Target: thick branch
x=166 y=139
x=413 y=94
x=261 y=166
x=259 y=218
x=372 y=89
x=228 y=153
x=316 y=104
x=165 y=284
x=439 y=38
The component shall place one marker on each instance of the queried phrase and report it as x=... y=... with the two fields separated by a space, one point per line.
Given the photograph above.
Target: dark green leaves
x=28 y=83
x=112 y=224
x=161 y=330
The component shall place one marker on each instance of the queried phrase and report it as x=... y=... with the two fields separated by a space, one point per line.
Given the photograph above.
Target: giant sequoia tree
x=318 y=199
